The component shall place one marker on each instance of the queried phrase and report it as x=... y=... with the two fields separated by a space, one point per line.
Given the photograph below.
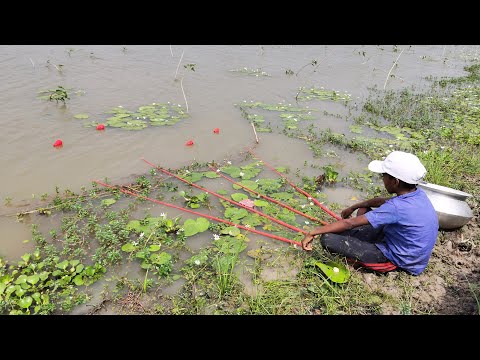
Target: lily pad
x=193 y=227
x=25 y=302
x=108 y=202
x=336 y=272
x=81 y=116
x=128 y=247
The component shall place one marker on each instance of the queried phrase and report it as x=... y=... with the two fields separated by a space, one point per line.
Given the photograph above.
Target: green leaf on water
x=252 y=185
x=260 y=203
x=128 y=247
x=193 y=227
x=81 y=116
x=154 y=247
x=63 y=265
x=239 y=197
x=160 y=259
x=25 y=302
x=78 y=280
x=231 y=230
x=74 y=262
x=33 y=279
x=108 y=202
x=233 y=171
x=211 y=174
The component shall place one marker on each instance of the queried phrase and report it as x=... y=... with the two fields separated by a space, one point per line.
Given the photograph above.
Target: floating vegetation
x=58 y=94
x=153 y=115
x=290 y=114
x=322 y=94
x=252 y=72
x=81 y=116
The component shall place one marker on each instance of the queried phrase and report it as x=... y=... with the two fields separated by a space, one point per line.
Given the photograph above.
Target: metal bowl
x=452 y=210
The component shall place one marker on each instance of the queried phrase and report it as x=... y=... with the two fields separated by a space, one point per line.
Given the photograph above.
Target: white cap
x=404 y=166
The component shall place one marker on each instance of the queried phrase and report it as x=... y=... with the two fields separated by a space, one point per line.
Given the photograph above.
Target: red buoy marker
x=216 y=131
x=189 y=143
x=100 y=127
x=58 y=143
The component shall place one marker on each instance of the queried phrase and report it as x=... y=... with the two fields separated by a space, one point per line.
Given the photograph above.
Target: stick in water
x=255 y=131
x=181 y=57
x=388 y=75
x=181 y=85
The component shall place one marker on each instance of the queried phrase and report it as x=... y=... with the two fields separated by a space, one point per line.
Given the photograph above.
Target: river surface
x=206 y=80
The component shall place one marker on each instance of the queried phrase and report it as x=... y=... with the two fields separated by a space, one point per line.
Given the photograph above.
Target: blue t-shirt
x=410 y=224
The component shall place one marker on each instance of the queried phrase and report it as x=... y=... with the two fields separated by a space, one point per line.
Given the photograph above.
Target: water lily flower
x=163 y=215
x=197 y=262
x=216 y=236
x=229 y=162
x=134 y=243
x=248 y=226
x=307 y=222
x=311 y=203
x=141 y=235
x=241 y=174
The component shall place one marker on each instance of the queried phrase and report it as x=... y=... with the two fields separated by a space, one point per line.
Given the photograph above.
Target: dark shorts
x=358 y=246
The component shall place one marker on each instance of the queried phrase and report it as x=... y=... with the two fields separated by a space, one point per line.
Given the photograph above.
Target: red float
x=100 y=127
x=58 y=143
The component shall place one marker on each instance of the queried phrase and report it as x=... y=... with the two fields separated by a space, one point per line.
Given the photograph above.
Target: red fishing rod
x=329 y=212
x=227 y=199
x=268 y=198
x=273 y=236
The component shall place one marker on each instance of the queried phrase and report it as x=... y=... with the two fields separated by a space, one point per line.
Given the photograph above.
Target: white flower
x=163 y=215
x=309 y=198
x=218 y=170
x=135 y=243
x=311 y=203
x=241 y=173
x=197 y=262
x=153 y=104
x=229 y=162
x=295 y=246
x=216 y=237
x=303 y=206
x=120 y=106
x=335 y=269
x=247 y=226
x=307 y=222
x=141 y=235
